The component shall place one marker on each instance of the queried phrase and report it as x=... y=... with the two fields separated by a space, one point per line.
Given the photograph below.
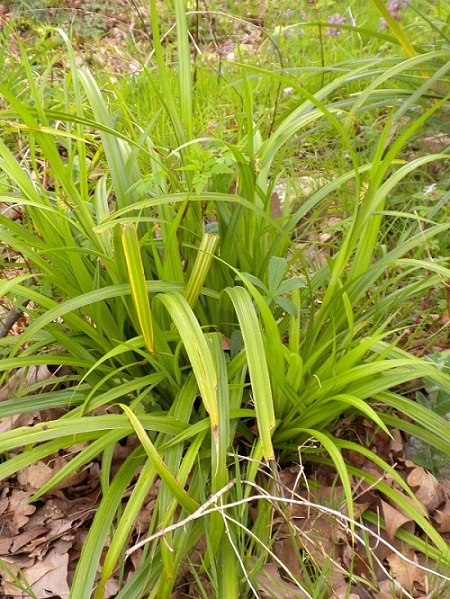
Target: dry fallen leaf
x=28 y=540
x=9 y=570
x=395 y=519
x=34 y=476
x=18 y=420
x=427 y=488
x=48 y=576
x=396 y=444
x=442 y=517
x=386 y=590
x=19 y=511
x=24 y=378
x=342 y=593
x=404 y=572
x=271 y=584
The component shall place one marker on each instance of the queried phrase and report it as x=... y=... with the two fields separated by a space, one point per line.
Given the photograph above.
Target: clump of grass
x=156 y=267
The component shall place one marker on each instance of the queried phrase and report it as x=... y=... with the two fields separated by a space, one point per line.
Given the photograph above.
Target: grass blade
x=257 y=367
x=139 y=291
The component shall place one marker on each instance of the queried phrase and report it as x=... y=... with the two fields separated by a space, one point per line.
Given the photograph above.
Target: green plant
x=168 y=295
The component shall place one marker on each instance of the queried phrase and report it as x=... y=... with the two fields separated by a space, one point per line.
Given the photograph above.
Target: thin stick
x=204 y=510
x=10 y=319
x=194 y=516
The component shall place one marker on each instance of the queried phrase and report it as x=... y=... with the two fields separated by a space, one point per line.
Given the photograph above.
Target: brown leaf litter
x=373 y=562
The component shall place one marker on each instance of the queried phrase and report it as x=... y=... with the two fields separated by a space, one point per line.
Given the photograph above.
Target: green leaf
x=184 y=499
x=138 y=284
x=199 y=353
x=201 y=267
x=257 y=367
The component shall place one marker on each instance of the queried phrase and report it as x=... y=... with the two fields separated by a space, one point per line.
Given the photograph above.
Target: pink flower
x=394 y=8
x=335 y=20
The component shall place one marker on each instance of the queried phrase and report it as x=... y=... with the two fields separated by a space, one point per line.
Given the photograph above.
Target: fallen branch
x=10 y=319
